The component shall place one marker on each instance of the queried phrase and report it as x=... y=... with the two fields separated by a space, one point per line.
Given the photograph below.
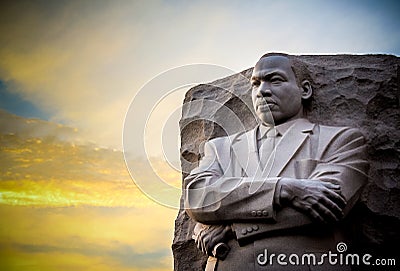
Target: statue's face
x=275 y=93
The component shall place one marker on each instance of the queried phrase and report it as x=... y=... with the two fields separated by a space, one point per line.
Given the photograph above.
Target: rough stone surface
x=349 y=90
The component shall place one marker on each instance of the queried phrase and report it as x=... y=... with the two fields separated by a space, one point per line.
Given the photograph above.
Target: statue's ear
x=307 y=90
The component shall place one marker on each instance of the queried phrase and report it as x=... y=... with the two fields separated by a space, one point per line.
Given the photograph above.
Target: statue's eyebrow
x=266 y=75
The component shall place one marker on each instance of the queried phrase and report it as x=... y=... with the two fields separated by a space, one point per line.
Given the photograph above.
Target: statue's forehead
x=272 y=64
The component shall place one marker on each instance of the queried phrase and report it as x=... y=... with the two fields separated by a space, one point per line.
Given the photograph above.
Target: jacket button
x=265 y=213
x=249 y=229
x=259 y=213
x=244 y=231
x=255 y=227
x=253 y=213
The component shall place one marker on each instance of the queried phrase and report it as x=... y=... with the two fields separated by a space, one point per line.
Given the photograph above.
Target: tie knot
x=272 y=132
x=267 y=132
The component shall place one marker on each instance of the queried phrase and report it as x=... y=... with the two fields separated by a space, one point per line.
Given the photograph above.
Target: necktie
x=267 y=146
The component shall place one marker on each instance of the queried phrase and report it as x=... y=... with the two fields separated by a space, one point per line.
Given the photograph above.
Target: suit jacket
x=230 y=187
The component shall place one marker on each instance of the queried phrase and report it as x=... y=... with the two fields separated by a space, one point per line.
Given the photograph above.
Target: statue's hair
x=300 y=70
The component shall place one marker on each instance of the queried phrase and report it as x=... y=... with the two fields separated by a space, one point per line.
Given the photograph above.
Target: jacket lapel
x=245 y=149
x=246 y=153
x=287 y=147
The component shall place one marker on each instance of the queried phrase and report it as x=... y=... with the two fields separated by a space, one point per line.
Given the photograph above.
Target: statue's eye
x=277 y=79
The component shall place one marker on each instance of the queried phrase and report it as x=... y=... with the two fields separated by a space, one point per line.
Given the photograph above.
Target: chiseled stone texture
x=349 y=90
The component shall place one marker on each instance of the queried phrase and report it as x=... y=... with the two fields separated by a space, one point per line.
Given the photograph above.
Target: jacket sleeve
x=343 y=161
x=212 y=196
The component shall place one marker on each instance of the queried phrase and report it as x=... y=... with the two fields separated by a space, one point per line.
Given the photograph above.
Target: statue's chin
x=266 y=119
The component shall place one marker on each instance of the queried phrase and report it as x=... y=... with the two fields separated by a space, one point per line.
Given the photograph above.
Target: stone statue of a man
x=284 y=187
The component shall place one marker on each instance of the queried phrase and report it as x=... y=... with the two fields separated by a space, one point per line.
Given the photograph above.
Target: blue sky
x=13 y=103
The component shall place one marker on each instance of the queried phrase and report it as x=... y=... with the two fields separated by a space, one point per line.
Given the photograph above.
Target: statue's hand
x=323 y=201
x=209 y=236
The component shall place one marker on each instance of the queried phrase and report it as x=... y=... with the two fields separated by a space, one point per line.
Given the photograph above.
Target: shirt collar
x=281 y=129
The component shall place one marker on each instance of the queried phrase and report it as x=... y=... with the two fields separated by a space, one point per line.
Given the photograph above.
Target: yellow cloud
x=57 y=173
x=118 y=238
x=76 y=205
x=60 y=198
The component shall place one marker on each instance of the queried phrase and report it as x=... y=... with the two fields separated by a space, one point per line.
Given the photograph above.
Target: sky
x=81 y=62
x=71 y=71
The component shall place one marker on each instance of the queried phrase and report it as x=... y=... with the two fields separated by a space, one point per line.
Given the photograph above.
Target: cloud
x=82 y=62
x=46 y=164
x=35 y=128
x=83 y=237
x=121 y=254
x=69 y=60
x=39 y=173
x=74 y=202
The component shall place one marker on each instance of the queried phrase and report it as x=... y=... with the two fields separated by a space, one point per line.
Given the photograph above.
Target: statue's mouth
x=266 y=104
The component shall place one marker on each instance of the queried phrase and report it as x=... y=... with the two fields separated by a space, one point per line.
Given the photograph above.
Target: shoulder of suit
x=338 y=130
x=229 y=139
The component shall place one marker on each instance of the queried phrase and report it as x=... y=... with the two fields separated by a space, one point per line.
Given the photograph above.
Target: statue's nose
x=264 y=90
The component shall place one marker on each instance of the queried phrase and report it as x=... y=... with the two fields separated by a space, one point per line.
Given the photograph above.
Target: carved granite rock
x=349 y=90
